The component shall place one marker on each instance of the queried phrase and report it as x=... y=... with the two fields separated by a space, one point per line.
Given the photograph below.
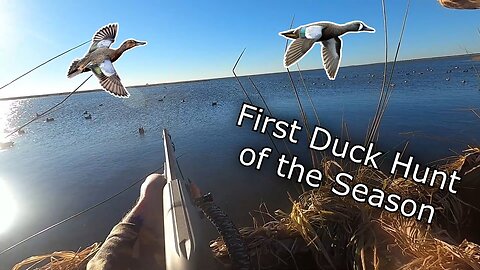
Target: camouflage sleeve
x=117 y=250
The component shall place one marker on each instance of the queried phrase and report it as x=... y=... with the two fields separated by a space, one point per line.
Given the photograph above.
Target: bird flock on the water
x=87 y=115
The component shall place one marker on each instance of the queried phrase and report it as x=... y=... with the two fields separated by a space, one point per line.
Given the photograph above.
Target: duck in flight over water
x=100 y=57
x=327 y=33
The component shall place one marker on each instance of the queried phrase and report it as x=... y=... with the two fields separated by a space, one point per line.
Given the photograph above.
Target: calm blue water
x=61 y=167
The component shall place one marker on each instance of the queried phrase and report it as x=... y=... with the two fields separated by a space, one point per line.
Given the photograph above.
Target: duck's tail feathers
x=73 y=70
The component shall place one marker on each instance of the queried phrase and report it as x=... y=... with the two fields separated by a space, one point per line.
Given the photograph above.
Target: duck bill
x=368 y=29
x=289 y=34
x=140 y=43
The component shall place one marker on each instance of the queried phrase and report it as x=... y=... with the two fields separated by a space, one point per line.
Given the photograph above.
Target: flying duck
x=100 y=57
x=328 y=33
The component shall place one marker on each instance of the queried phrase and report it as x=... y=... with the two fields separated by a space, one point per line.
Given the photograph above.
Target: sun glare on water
x=8 y=207
x=5 y=115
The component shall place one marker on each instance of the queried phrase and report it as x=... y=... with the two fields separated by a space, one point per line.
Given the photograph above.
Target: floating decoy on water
x=100 y=57
x=49 y=119
x=328 y=33
x=88 y=116
x=214 y=103
x=141 y=131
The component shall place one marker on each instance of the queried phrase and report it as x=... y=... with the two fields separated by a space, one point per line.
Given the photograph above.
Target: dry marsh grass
x=325 y=231
x=59 y=260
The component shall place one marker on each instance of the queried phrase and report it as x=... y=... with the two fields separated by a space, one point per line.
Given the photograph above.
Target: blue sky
x=190 y=40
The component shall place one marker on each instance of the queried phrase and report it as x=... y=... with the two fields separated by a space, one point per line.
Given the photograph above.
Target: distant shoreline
x=474 y=56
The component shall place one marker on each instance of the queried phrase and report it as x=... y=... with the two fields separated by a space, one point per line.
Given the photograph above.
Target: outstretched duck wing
x=109 y=79
x=104 y=37
x=296 y=50
x=331 y=56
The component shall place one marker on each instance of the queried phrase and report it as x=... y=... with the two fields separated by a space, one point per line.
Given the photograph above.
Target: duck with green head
x=100 y=57
x=326 y=33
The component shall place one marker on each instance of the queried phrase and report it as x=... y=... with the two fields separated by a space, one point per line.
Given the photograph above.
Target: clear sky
x=190 y=40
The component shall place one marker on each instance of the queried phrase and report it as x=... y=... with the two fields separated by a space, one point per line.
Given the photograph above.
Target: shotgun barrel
x=187 y=232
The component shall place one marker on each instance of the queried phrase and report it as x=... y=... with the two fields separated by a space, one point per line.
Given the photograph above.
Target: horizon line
x=227 y=77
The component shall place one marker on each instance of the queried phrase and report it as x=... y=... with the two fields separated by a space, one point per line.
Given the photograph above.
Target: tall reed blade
x=386 y=91
x=49 y=110
x=300 y=106
x=51 y=59
x=248 y=97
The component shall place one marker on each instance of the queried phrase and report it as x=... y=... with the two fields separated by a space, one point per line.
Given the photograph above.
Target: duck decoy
x=88 y=116
x=327 y=33
x=49 y=119
x=214 y=103
x=141 y=131
x=100 y=57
